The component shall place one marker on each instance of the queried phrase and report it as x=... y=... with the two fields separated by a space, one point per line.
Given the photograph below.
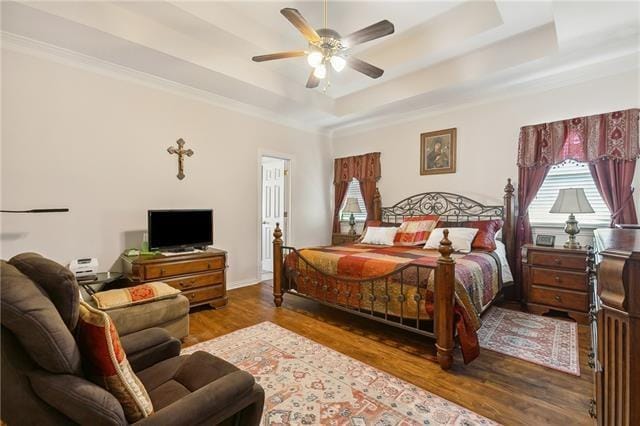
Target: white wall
x=97 y=144
x=487 y=138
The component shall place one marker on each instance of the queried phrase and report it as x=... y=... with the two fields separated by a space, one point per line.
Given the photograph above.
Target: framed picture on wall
x=438 y=152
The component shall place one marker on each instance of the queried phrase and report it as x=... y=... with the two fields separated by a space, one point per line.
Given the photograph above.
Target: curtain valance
x=613 y=135
x=364 y=167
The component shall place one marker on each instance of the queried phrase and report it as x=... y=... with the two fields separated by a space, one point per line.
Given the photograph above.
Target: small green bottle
x=144 y=247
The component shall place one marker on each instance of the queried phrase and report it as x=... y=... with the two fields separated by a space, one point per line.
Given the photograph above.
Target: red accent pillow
x=485 y=239
x=415 y=230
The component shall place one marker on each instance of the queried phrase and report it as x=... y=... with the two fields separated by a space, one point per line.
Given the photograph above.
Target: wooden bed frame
x=450 y=208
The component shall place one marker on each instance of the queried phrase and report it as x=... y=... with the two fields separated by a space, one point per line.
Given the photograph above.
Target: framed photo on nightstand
x=545 y=240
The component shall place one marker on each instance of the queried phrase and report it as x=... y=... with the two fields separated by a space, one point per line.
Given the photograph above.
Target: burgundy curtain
x=613 y=180
x=368 y=191
x=366 y=169
x=530 y=180
x=340 y=192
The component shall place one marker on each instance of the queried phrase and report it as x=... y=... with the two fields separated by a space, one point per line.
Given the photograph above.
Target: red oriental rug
x=307 y=383
x=542 y=340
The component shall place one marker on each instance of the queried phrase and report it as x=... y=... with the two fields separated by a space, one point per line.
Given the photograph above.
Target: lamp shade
x=571 y=200
x=352 y=206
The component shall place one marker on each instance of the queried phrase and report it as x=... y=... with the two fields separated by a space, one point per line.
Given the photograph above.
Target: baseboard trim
x=242 y=283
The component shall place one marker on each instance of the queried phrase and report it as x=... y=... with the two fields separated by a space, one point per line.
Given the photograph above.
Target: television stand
x=200 y=275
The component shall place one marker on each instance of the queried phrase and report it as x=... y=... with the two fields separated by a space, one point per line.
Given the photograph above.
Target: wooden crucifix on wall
x=181 y=152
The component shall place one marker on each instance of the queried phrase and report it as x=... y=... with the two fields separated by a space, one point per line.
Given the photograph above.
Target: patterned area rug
x=307 y=383
x=541 y=340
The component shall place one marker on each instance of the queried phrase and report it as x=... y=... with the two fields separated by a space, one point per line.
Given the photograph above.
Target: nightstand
x=339 y=239
x=555 y=278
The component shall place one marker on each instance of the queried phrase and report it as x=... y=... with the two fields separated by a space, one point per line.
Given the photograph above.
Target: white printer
x=85 y=268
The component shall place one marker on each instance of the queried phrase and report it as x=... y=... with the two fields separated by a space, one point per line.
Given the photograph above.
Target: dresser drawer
x=194 y=281
x=204 y=294
x=182 y=268
x=564 y=299
x=557 y=278
x=559 y=260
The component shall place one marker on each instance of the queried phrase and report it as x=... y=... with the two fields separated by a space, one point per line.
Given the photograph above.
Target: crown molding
x=32 y=47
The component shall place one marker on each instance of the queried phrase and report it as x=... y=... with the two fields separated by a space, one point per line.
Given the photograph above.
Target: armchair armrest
x=213 y=403
x=145 y=348
x=80 y=400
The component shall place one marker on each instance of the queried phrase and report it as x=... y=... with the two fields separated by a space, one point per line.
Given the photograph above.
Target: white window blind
x=354 y=191
x=569 y=174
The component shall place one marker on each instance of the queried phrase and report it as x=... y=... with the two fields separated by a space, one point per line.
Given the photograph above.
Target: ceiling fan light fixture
x=315 y=58
x=320 y=71
x=338 y=63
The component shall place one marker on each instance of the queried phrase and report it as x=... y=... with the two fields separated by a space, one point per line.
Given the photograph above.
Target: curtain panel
x=366 y=170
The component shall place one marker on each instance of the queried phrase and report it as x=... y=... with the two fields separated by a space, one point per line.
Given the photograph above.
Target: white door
x=273 y=202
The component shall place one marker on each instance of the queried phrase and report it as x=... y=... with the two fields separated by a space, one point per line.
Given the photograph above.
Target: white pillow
x=460 y=238
x=379 y=236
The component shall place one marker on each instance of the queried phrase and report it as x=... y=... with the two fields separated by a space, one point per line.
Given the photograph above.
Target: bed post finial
x=377 y=205
x=446 y=247
x=444 y=298
x=277 y=265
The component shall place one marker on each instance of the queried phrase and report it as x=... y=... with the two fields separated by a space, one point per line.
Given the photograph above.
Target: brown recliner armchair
x=42 y=378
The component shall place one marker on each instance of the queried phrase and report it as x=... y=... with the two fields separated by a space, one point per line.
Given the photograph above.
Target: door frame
x=287 y=229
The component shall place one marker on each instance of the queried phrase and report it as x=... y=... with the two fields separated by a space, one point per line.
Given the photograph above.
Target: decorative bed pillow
x=107 y=364
x=460 y=238
x=142 y=293
x=487 y=232
x=415 y=230
x=379 y=235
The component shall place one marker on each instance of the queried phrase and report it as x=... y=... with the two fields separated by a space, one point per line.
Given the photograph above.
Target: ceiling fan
x=326 y=47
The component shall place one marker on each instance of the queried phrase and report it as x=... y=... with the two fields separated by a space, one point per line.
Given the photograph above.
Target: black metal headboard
x=450 y=207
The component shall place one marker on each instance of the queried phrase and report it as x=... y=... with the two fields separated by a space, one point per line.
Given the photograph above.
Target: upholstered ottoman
x=171 y=314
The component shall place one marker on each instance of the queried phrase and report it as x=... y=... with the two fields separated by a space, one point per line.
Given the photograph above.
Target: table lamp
x=571 y=200
x=352 y=206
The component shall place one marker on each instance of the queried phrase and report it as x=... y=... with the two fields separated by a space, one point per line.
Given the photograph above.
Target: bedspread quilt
x=403 y=292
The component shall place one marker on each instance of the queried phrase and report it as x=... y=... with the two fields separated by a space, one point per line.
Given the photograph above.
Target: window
x=354 y=191
x=569 y=174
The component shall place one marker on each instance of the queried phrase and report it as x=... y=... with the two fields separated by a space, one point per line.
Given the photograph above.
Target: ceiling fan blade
x=313 y=81
x=279 y=55
x=372 y=32
x=301 y=24
x=364 y=67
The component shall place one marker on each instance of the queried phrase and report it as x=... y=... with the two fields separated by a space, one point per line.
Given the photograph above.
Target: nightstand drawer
x=559 y=260
x=564 y=299
x=557 y=278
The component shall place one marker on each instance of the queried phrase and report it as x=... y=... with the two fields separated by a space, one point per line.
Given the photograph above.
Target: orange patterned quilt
x=478 y=280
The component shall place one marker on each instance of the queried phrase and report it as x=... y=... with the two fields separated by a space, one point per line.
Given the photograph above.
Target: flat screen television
x=179 y=230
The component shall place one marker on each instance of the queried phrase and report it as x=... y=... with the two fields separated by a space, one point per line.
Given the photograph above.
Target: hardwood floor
x=502 y=388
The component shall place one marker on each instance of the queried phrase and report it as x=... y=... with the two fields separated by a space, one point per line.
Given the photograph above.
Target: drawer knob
x=557 y=261
x=558 y=299
x=557 y=278
x=162 y=271
x=208 y=266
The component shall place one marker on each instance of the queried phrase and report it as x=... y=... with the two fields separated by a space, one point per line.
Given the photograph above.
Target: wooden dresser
x=616 y=327
x=555 y=278
x=200 y=276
